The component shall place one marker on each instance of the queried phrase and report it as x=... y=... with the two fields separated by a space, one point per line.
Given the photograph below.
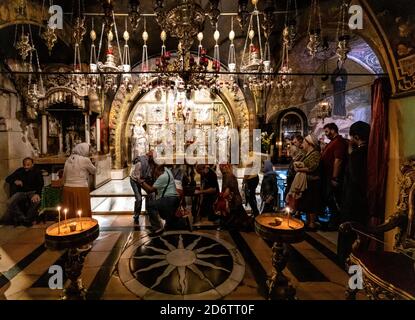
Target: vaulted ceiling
x=390 y=35
x=64 y=54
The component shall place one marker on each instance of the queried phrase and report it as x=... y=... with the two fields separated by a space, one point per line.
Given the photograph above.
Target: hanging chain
x=116 y=37
x=100 y=40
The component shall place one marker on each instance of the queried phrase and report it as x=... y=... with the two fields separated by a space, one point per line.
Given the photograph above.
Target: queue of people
x=333 y=180
x=318 y=181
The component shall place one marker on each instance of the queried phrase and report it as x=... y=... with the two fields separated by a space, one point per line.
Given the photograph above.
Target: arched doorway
x=286 y=125
x=126 y=106
x=176 y=119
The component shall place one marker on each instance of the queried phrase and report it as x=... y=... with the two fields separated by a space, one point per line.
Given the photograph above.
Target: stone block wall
x=14 y=141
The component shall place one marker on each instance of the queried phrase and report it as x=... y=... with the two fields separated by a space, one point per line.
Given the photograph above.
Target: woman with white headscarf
x=77 y=169
x=310 y=201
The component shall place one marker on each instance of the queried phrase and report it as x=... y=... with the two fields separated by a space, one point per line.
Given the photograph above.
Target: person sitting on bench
x=26 y=185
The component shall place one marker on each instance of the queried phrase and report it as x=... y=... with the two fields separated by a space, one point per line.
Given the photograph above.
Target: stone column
x=98 y=134
x=44 y=133
x=87 y=133
x=61 y=152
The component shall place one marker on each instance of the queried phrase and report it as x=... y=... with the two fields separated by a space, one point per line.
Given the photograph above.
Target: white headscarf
x=80 y=150
x=312 y=139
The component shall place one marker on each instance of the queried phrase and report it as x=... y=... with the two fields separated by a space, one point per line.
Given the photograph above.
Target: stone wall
x=16 y=137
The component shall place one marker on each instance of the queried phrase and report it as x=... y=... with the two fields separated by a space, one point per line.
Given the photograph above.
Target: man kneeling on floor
x=26 y=185
x=167 y=200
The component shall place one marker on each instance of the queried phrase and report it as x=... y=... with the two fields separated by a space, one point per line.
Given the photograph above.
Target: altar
x=183 y=128
x=53 y=164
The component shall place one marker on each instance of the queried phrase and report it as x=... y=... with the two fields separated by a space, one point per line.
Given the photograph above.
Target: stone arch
x=33 y=15
x=124 y=102
x=278 y=102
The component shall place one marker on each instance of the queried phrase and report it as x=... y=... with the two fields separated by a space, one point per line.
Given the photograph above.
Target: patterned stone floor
x=117 y=196
x=235 y=267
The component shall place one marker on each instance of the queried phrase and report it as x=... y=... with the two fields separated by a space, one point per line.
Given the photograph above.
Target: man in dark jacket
x=143 y=168
x=26 y=185
x=354 y=205
x=333 y=159
x=208 y=192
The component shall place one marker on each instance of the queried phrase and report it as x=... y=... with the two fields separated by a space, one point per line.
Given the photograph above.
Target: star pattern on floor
x=181 y=265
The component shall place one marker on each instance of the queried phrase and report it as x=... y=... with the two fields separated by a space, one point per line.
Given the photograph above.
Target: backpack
x=146 y=172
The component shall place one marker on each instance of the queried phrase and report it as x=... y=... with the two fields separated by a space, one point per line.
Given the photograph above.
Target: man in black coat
x=355 y=205
x=26 y=185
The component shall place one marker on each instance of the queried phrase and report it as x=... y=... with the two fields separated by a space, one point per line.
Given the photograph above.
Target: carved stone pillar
x=87 y=132
x=98 y=134
x=44 y=133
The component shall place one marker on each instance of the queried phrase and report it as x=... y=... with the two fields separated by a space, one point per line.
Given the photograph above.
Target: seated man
x=167 y=200
x=26 y=185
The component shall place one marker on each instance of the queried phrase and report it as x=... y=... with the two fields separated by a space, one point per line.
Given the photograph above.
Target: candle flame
x=58 y=208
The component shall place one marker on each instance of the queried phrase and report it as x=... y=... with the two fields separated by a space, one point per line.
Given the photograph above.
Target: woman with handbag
x=166 y=203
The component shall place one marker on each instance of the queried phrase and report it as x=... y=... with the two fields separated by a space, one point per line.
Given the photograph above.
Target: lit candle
x=59 y=219
x=80 y=214
x=65 y=212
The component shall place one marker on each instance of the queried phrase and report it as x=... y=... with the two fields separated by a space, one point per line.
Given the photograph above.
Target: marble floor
x=125 y=263
x=117 y=196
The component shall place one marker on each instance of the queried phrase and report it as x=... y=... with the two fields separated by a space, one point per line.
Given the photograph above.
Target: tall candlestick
x=80 y=220
x=59 y=219
x=65 y=212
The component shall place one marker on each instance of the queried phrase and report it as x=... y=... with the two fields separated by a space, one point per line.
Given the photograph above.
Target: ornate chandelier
x=324 y=107
x=343 y=36
x=256 y=58
x=184 y=22
x=35 y=89
x=93 y=77
x=284 y=78
x=231 y=82
x=180 y=68
x=314 y=29
x=78 y=80
x=110 y=69
x=290 y=25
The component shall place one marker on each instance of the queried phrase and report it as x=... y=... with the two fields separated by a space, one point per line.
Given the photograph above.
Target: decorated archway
x=126 y=106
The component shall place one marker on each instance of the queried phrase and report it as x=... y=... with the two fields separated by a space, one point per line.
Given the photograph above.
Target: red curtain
x=378 y=150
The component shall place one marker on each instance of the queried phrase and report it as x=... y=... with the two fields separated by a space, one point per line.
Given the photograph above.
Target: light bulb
x=145 y=36
x=110 y=36
x=251 y=34
x=231 y=35
x=126 y=35
x=216 y=35
x=93 y=35
x=163 y=36
x=200 y=36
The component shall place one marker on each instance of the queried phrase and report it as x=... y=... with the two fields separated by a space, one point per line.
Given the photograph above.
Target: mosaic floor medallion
x=181 y=265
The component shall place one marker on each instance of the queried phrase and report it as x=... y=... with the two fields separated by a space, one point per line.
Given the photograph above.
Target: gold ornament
x=50 y=37
x=23 y=46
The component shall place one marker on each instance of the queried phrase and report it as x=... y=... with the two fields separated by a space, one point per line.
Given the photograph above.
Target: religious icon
x=139 y=138
x=222 y=138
